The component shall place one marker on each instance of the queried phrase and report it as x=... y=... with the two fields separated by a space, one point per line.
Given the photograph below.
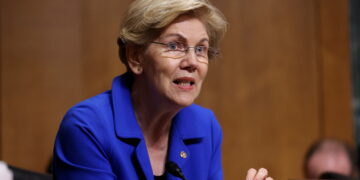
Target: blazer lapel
x=178 y=152
x=184 y=128
x=143 y=159
x=126 y=127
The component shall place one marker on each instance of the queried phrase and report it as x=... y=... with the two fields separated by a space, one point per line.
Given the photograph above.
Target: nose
x=189 y=61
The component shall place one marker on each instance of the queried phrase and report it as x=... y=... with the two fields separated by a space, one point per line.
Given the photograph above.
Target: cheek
x=152 y=65
x=162 y=72
x=203 y=72
x=166 y=67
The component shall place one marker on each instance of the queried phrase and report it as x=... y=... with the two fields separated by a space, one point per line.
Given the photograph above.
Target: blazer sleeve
x=79 y=151
x=216 y=171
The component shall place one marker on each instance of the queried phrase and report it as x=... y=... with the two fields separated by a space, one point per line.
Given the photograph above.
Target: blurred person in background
x=330 y=159
x=146 y=126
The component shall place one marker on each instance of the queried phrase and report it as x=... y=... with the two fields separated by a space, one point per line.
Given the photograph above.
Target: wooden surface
x=41 y=77
x=283 y=80
x=266 y=92
x=335 y=73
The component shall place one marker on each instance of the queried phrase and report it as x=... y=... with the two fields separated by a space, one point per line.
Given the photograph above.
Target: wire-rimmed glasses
x=176 y=50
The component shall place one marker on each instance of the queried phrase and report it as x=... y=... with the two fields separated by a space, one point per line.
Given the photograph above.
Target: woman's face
x=172 y=77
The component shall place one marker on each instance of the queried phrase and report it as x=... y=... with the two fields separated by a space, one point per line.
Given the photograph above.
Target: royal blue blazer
x=100 y=139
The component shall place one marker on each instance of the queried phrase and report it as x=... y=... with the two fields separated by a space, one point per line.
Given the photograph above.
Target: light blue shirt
x=100 y=139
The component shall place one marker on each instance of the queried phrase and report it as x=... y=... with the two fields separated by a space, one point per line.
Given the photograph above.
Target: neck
x=153 y=114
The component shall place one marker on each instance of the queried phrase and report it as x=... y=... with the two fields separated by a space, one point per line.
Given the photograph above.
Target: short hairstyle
x=316 y=146
x=145 y=19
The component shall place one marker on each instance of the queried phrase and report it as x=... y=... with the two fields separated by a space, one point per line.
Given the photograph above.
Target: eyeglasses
x=178 y=50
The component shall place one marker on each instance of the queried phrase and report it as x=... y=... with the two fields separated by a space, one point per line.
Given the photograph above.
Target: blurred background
x=284 y=79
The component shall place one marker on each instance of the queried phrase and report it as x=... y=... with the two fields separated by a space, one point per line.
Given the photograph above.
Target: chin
x=184 y=101
x=185 y=104
x=183 y=98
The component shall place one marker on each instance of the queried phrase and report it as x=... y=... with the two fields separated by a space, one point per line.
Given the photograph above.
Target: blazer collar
x=126 y=125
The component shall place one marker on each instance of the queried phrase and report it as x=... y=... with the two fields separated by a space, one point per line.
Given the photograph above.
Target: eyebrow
x=183 y=38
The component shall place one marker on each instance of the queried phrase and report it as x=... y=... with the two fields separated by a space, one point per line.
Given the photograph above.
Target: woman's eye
x=173 y=46
x=201 y=49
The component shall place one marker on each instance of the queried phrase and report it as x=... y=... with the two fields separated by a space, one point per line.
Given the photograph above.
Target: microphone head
x=174 y=169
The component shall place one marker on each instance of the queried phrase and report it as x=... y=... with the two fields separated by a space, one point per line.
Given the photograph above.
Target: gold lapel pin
x=183 y=154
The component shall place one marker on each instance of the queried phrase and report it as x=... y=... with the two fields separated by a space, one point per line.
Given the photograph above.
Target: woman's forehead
x=186 y=27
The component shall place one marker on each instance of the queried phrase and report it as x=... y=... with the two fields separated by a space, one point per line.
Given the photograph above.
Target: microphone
x=174 y=169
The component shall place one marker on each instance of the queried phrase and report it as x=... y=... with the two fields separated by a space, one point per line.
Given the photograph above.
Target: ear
x=133 y=56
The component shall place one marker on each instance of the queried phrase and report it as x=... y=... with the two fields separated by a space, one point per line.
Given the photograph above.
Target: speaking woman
x=146 y=126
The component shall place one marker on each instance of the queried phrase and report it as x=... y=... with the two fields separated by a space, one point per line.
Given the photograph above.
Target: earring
x=139 y=69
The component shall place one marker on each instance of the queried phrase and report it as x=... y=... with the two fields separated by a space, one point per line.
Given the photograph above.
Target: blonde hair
x=145 y=19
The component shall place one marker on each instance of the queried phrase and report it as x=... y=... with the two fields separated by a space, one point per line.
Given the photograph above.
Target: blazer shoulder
x=200 y=113
x=94 y=111
x=201 y=120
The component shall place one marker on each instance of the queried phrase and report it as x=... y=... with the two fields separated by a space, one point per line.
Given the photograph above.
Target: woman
x=148 y=119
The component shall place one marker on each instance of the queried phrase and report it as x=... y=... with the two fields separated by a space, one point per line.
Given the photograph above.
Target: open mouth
x=185 y=82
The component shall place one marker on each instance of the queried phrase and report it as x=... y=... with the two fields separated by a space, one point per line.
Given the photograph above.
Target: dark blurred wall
x=355 y=65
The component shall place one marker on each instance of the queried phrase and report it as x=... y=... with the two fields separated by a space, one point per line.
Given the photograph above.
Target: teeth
x=184 y=83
